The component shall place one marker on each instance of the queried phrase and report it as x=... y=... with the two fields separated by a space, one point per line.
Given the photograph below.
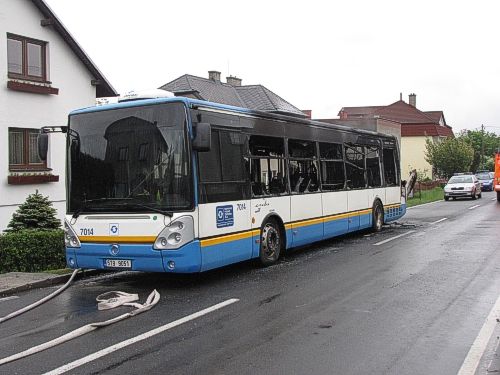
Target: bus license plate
x=118 y=263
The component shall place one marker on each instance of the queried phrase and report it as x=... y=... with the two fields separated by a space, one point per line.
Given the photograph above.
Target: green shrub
x=35 y=213
x=32 y=250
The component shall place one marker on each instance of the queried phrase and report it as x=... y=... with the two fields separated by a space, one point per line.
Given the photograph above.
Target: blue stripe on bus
x=337 y=227
x=225 y=253
x=304 y=235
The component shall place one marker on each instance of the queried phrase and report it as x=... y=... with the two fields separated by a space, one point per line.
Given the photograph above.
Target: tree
x=35 y=213
x=484 y=144
x=449 y=156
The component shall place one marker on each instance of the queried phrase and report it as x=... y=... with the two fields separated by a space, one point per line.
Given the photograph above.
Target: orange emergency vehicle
x=496 y=179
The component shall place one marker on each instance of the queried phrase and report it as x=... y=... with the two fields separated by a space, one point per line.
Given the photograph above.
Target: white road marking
x=133 y=340
x=438 y=221
x=393 y=238
x=8 y=298
x=476 y=206
x=425 y=204
x=479 y=346
x=494 y=199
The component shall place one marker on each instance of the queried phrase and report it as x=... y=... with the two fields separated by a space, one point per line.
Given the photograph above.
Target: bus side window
x=355 y=166
x=267 y=166
x=303 y=166
x=390 y=174
x=373 y=166
x=332 y=166
x=223 y=170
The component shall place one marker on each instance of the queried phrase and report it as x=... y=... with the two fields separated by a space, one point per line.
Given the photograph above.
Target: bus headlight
x=178 y=233
x=70 y=237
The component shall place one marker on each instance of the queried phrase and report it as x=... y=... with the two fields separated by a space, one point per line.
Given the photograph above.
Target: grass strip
x=425 y=196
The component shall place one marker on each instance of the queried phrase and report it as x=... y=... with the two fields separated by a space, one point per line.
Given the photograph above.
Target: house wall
x=413 y=156
x=27 y=110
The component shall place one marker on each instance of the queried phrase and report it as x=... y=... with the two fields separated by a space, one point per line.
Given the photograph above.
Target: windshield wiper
x=160 y=211
x=135 y=203
x=84 y=207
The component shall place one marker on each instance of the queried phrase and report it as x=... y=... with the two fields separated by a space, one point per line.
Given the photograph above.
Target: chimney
x=233 y=81
x=412 y=100
x=214 y=75
x=307 y=112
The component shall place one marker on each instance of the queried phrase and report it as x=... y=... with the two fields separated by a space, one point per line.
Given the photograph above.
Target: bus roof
x=195 y=103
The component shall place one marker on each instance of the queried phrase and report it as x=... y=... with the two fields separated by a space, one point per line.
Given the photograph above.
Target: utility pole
x=482 y=147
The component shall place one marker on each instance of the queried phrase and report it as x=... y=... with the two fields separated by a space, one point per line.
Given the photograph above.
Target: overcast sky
x=317 y=55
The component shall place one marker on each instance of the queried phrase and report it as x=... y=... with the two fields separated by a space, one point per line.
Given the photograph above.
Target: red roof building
x=414 y=122
x=416 y=127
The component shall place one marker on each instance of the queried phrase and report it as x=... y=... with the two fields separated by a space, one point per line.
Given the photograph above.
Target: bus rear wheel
x=271 y=243
x=377 y=217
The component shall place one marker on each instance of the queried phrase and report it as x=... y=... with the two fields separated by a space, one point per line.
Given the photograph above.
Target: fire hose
x=105 y=301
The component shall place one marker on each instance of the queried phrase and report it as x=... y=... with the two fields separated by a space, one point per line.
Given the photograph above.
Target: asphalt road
x=354 y=305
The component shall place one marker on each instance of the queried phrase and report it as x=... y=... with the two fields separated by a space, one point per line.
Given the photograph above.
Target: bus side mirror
x=202 y=137
x=43 y=145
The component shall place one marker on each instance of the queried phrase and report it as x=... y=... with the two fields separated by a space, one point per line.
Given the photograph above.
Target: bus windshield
x=129 y=160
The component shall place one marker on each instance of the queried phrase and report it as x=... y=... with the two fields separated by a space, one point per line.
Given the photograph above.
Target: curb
x=59 y=279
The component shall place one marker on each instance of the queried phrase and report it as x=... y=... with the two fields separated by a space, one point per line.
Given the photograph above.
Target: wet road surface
x=387 y=303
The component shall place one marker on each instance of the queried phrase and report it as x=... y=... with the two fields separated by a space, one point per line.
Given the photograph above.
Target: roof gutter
x=103 y=87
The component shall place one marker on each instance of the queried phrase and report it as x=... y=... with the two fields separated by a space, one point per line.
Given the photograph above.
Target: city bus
x=183 y=185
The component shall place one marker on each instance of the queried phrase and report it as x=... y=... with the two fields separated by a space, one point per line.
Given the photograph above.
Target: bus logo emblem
x=115 y=249
x=225 y=216
x=114 y=229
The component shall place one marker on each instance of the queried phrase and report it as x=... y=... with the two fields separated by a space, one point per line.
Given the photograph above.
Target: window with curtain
x=23 y=149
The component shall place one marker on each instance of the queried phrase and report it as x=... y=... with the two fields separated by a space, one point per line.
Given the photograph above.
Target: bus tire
x=377 y=217
x=498 y=196
x=271 y=242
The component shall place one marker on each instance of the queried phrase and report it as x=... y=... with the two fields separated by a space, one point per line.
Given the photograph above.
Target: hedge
x=32 y=250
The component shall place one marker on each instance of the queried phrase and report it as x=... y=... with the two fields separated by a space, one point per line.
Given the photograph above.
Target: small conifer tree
x=35 y=213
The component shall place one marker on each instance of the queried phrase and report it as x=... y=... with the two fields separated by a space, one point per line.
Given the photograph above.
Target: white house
x=44 y=74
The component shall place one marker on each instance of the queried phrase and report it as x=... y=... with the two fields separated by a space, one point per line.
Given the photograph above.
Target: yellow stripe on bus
x=250 y=233
x=118 y=239
x=336 y=217
x=307 y=222
x=229 y=238
x=392 y=206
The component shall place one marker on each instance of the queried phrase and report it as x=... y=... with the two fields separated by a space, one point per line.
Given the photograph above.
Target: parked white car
x=462 y=185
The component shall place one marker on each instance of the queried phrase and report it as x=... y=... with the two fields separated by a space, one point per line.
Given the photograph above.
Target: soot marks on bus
x=241 y=166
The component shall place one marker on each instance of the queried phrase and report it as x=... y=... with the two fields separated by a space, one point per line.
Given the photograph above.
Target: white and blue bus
x=182 y=185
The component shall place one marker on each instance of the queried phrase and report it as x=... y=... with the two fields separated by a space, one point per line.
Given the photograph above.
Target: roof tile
x=255 y=97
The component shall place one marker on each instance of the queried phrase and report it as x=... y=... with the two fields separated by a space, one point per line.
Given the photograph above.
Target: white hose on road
x=43 y=300
x=115 y=299
x=110 y=300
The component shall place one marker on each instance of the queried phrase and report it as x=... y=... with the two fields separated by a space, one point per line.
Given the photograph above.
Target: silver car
x=462 y=185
